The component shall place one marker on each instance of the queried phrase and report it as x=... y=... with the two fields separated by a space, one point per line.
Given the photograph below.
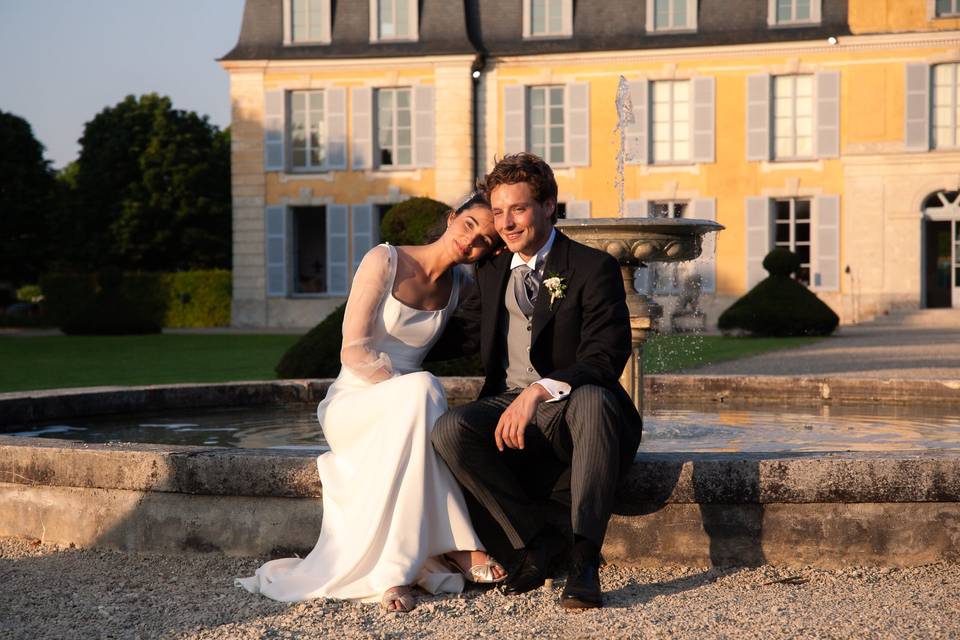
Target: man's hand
x=514 y=421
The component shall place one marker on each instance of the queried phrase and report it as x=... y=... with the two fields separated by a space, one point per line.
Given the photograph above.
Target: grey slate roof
x=495 y=27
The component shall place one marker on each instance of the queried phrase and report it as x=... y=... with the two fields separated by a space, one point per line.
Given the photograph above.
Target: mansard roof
x=495 y=27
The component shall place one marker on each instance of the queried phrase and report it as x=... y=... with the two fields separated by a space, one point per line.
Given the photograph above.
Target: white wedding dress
x=390 y=505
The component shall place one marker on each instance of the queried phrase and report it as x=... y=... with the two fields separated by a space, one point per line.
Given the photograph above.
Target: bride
x=393 y=516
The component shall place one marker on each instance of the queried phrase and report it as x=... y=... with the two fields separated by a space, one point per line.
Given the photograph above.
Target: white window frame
x=690 y=26
x=814 y=19
x=792 y=243
x=394 y=145
x=794 y=135
x=951 y=107
x=933 y=12
x=548 y=156
x=566 y=20
x=671 y=107
x=413 y=22
x=324 y=37
x=309 y=97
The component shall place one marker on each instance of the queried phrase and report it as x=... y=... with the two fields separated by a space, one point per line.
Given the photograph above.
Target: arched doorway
x=941 y=249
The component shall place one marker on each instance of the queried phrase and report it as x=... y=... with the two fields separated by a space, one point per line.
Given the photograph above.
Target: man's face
x=522 y=222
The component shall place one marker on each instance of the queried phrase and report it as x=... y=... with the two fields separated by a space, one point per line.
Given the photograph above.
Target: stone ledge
x=729 y=478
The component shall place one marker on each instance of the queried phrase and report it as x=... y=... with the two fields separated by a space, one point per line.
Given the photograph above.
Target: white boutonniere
x=557 y=287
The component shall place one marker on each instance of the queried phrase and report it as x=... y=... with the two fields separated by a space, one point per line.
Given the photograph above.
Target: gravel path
x=921 y=345
x=51 y=592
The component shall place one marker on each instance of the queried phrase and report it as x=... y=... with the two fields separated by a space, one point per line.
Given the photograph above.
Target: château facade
x=831 y=127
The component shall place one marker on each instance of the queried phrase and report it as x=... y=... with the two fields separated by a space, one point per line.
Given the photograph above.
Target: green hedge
x=198 y=298
x=107 y=303
x=779 y=305
x=115 y=303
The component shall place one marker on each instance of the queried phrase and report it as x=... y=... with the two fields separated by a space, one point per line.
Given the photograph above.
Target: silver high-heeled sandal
x=480 y=573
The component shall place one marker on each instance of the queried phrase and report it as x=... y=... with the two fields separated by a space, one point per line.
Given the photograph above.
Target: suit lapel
x=557 y=264
x=492 y=300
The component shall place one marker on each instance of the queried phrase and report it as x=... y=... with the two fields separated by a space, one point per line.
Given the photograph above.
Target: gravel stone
x=61 y=592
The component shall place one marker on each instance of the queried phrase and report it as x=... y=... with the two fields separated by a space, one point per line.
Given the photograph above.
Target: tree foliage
x=150 y=190
x=28 y=191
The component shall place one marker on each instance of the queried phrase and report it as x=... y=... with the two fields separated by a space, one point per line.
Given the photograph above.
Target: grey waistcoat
x=520 y=373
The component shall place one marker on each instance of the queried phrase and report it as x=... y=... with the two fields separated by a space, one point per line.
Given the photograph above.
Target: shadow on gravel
x=636 y=593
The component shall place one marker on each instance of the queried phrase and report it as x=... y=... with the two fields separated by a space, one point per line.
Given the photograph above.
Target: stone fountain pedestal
x=635 y=243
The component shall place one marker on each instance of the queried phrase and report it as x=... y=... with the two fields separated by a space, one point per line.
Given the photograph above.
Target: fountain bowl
x=637 y=241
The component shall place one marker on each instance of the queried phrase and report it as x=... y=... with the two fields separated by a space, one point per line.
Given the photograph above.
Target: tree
x=27 y=195
x=152 y=190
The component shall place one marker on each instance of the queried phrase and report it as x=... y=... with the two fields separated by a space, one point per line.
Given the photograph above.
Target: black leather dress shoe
x=583 y=586
x=530 y=574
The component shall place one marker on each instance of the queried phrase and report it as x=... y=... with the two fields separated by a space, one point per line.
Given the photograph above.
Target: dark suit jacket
x=583 y=338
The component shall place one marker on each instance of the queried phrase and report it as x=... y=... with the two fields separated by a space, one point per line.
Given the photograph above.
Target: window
x=945 y=119
x=671 y=15
x=393 y=20
x=306 y=21
x=547 y=18
x=307 y=130
x=793 y=117
x=670 y=121
x=309 y=249
x=947 y=8
x=793 y=12
x=547 y=123
x=792 y=218
x=394 y=128
x=668 y=278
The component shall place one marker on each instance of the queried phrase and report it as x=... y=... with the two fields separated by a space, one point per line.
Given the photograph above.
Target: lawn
x=50 y=362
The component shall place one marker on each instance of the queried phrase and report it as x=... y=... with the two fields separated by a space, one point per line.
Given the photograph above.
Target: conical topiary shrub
x=780 y=305
x=317 y=354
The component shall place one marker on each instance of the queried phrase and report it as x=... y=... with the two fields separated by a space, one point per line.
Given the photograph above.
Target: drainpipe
x=476 y=72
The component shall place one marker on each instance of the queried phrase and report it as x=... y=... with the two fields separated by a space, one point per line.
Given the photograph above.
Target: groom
x=552 y=423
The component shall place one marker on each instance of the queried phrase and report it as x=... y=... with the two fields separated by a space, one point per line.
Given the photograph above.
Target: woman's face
x=470 y=235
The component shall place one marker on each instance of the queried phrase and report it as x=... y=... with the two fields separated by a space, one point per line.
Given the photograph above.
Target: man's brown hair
x=523 y=167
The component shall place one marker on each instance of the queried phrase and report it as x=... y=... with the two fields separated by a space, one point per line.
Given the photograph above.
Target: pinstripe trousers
x=573 y=455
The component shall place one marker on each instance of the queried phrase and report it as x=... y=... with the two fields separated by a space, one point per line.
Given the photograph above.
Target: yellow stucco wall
x=895 y=16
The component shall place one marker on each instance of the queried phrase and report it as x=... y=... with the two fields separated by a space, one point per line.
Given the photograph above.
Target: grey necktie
x=526 y=285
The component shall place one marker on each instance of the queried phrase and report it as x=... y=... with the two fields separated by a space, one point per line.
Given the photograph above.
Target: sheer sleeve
x=370 y=286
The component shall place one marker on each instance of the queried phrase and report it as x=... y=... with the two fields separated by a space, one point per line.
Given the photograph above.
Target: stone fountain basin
x=824 y=509
x=636 y=240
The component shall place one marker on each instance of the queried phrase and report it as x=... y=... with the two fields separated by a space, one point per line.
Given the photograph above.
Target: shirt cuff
x=557 y=390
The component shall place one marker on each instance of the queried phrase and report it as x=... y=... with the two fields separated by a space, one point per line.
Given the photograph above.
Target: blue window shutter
x=759 y=238
x=276 y=250
x=337 y=237
x=514 y=119
x=637 y=209
x=274 y=130
x=578 y=124
x=363 y=232
x=423 y=125
x=917 y=109
x=706 y=265
x=578 y=209
x=828 y=114
x=758 y=117
x=336 y=113
x=826 y=269
x=637 y=144
x=361 y=148
x=704 y=119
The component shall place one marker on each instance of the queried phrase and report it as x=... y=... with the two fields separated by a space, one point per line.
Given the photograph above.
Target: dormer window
x=947 y=9
x=306 y=22
x=665 y=16
x=793 y=13
x=393 y=20
x=547 y=18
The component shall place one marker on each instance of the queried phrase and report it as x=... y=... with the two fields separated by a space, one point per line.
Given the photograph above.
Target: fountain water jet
x=635 y=243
